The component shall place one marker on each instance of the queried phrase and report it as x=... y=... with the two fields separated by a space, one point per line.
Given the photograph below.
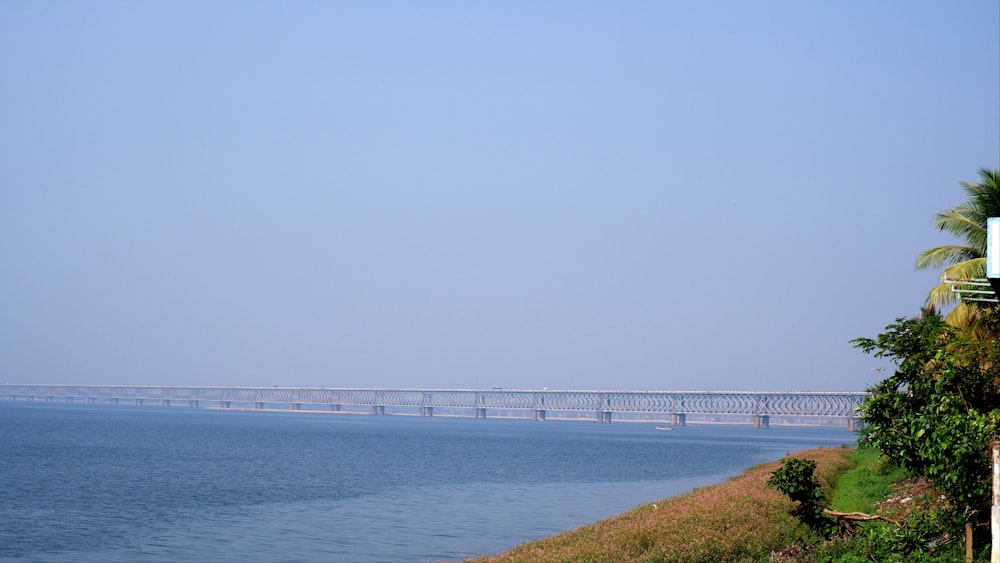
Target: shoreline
x=740 y=519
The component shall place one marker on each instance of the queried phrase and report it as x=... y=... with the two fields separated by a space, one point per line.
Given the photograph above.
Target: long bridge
x=604 y=406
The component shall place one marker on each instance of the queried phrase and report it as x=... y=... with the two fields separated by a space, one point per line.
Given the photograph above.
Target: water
x=94 y=484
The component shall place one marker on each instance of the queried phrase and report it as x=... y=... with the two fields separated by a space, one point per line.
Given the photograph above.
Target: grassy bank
x=742 y=520
x=739 y=520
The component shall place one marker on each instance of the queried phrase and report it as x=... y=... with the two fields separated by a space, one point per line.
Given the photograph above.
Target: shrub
x=795 y=479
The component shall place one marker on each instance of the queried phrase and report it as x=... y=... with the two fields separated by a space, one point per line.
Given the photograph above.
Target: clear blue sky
x=627 y=195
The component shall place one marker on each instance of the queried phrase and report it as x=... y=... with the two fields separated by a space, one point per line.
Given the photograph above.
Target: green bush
x=795 y=479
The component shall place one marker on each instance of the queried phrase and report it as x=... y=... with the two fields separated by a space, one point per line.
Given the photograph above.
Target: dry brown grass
x=738 y=520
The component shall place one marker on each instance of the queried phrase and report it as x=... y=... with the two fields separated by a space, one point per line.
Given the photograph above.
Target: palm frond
x=984 y=197
x=967 y=270
x=961 y=316
x=945 y=255
x=970 y=318
x=941 y=296
x=964 y=223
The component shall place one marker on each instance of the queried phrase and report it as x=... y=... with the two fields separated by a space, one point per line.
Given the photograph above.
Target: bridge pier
x=91 y=400
x=538 y=414
x=193 y=404
x=224 y=404
x=113 y=400
x=164 y=402
x=761 y=421
x=334 y=408
x=378 y=409
x=257 y=405
x=604 y=417
x=48 y=399
x=426 y=411
x=678 y=419
x=479 y=413
x=136 y=402
x=853 y=424
x=295 y=406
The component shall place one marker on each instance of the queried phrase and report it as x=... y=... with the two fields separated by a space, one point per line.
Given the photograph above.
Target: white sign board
x=993 y=247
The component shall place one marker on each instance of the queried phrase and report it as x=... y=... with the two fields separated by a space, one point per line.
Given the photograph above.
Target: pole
x=995 y=512
x=968 y=542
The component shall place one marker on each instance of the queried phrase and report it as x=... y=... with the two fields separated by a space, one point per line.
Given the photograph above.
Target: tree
x=966 y=221
x=937 y=413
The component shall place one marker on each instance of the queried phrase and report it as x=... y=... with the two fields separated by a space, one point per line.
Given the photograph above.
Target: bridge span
x=603 y=406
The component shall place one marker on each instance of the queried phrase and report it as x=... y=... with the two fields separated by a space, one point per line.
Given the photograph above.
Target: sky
x=575 y=195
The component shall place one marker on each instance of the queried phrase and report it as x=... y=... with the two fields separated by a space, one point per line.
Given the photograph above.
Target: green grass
x=869 y=480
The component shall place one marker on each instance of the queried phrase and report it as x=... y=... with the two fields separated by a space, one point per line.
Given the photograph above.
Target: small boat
x=664 y=428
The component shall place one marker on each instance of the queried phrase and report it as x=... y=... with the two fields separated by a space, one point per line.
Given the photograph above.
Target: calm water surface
x=148 y=484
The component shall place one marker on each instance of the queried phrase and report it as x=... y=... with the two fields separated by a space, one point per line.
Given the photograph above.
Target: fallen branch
x=858 y=516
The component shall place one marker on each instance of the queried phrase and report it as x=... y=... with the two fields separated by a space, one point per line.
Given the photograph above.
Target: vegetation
x=914 y=532
x=938 y=412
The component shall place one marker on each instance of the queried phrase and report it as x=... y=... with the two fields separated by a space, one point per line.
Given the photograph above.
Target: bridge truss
x=604 y=404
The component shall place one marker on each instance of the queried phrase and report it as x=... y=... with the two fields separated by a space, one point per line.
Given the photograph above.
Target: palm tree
x=966 y=221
